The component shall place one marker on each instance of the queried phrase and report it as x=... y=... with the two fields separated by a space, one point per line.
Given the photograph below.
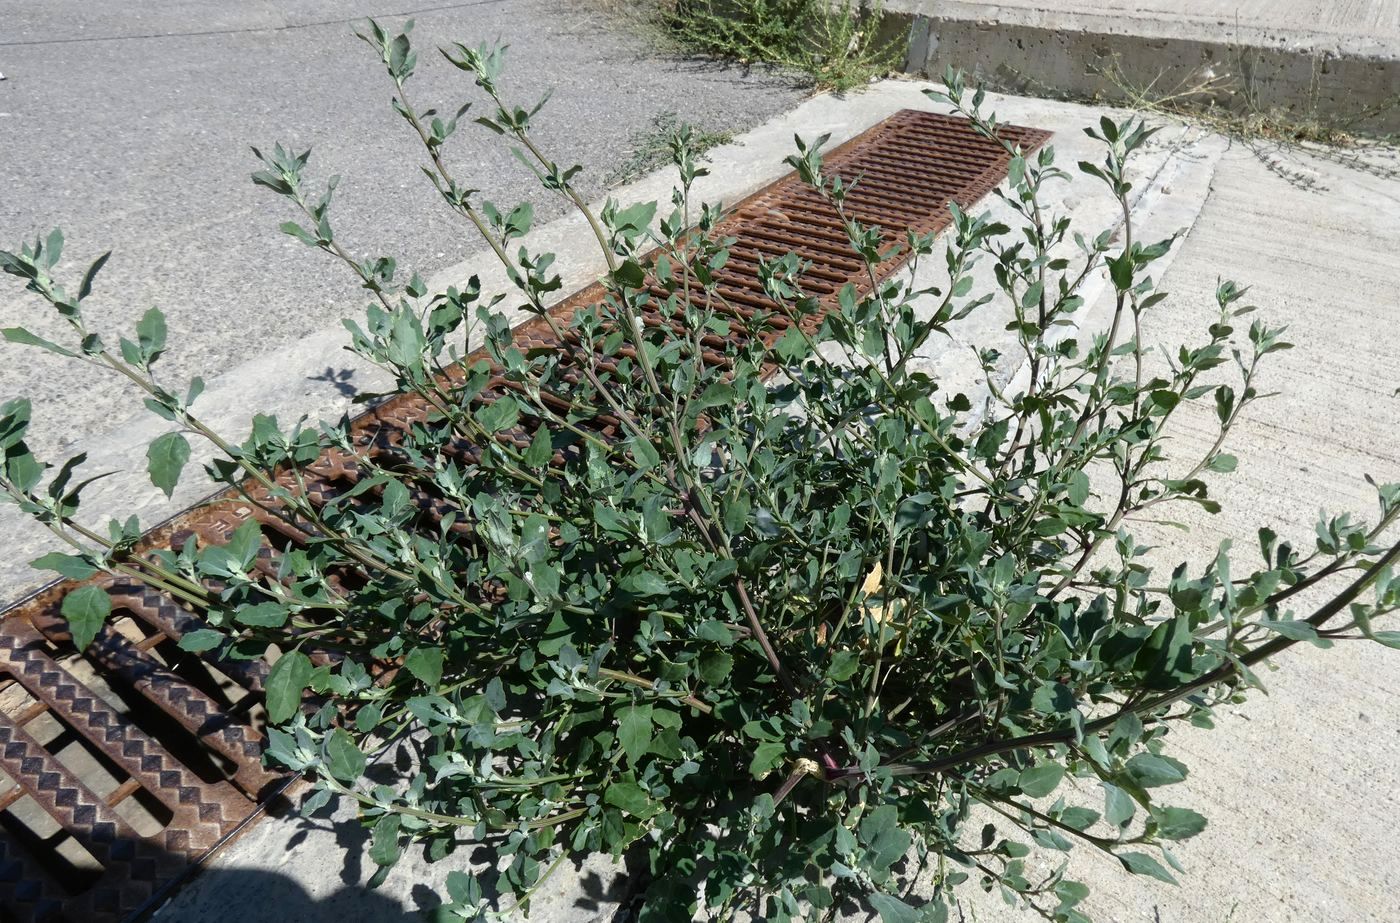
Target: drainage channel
x=124 y=766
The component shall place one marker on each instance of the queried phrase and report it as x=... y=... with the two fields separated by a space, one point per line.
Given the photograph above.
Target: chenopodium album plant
x=807 y=625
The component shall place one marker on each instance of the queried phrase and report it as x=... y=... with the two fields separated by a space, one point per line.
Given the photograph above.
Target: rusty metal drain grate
x=122 y=767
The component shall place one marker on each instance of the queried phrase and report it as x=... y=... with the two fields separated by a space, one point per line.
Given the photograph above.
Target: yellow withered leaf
x=871 y=586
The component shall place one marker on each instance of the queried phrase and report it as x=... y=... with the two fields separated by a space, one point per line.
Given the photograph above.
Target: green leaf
x=892 y=909
x=24 y=470
x=14 y=422
x=1224 y=403
x=53 y=247
x=1389 y=639
x=150 y=334
x=286 y=682
x=1151 y=771
x=244 y=543
x=86 y=609
x=495 y=695
x=792 y=345
x=1142 y=864
x=736 y=515
x=1223 y=463
x=716 y=394
x=635 y=218
x=395 y=500
x=1078 y=488
x=888 y=842
x=645 y=453
x=463 y=888
x=1119 y=806
x=25 y=338
x=843 y=666
x=500 y=414
x=1164 y=400
x=1071 y=893
x=644 y=583
x=68 y=565
x=1294 y=629
x=634 y=732
x=368 y=717
x=715 y=667
x=767 y=755
x=541 y=449
x=1166 y=657
x=85 y=288
x=1079 y=818
x=715 y=631
x=344 y=760
x=1120 y=270
x=425 y=663
x=630 y=275
x=384 y=850
x=630 y=797
x=1039 y=781
x=263 y=615
x=201 y=640
x=991 y=438
x=1178 y=823
x=165 y=459
x=292 y=229
x=1053 y=698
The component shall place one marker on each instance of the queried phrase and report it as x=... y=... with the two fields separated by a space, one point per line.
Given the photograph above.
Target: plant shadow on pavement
x=601 y=893
x=260 y=896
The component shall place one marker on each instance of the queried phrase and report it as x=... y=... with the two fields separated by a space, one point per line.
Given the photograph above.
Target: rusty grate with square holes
x=123 y=766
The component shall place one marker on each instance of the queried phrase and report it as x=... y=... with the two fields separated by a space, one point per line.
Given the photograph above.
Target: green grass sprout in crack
x=652 y=148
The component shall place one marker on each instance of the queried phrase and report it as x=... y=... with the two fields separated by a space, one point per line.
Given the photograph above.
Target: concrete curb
x=1349 y=77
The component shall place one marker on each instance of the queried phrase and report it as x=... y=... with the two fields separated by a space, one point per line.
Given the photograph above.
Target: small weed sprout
x=655 y=147
x=838 y=46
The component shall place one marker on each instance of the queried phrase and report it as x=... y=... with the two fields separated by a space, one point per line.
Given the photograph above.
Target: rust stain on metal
x=180 y=737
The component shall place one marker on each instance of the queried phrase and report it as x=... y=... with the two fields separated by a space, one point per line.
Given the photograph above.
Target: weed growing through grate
x=779 y=636
x=651 y=149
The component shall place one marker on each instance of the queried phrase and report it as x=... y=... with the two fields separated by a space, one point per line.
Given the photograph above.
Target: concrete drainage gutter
x=1348 y=71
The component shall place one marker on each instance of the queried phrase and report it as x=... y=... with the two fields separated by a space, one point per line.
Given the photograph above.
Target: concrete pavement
x=1366 y=26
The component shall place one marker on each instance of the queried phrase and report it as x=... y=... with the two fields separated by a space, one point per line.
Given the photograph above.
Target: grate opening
x=201 y=674
x=57 y=853
x=181 y=738
x=88 y=764
x=86 y=761
x=171 y=622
